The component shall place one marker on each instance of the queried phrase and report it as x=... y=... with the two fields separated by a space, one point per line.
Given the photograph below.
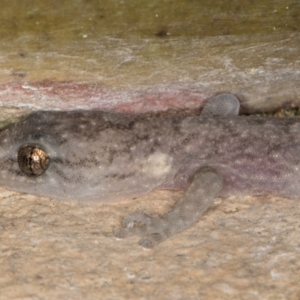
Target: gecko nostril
x=33 y=160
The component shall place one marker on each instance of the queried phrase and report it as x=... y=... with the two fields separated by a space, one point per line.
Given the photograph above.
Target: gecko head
x=48 y=155
x=25 y=158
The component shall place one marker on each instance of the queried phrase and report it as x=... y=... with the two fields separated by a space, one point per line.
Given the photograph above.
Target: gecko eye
x=33 y=160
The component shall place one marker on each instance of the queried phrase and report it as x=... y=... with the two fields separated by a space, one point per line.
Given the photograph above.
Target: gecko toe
x=146 y=243
x=136 y=217
x=131 y=229
x=123 y=233
x=150 y=240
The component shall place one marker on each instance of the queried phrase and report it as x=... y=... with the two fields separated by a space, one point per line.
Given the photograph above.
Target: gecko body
x=109 y=157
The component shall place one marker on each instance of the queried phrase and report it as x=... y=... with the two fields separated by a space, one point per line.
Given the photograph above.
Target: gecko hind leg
x=205 y=186
x=221 y=105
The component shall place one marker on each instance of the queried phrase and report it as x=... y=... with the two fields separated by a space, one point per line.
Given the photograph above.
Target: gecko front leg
x=205 y=186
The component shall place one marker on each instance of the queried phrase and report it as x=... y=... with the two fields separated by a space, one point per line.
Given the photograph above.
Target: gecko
x=110 y=157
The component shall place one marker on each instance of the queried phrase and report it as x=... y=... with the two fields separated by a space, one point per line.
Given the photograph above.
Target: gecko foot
x=148 y=228
x=205 y=186
x=138 y=223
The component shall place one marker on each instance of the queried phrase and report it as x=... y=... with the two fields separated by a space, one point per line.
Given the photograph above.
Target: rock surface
x=244 y=248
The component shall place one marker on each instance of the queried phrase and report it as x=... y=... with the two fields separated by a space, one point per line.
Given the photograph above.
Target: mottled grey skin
x=110 y=157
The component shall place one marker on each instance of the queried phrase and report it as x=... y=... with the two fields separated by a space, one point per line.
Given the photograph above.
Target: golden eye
x=33 y=160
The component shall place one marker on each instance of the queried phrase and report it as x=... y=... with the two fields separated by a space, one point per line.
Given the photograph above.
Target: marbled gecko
x=103 y=156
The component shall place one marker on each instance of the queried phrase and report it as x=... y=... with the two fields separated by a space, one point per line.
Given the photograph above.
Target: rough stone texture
x=244 y=248
x=140 y=55
x=263 y=71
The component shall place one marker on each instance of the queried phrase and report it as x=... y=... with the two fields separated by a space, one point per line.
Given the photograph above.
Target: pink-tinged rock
x=72 y=95
x=141 y=75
